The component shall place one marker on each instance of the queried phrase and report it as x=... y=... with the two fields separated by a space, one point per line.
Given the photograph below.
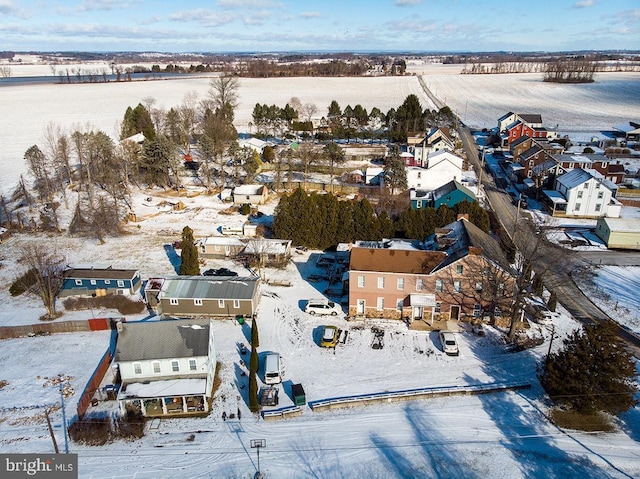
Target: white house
x=442 y=168
x=587 y=194
x=166 y=367
x=436 y=140
x=374 y=175
x=253 y=194
x=256 y=144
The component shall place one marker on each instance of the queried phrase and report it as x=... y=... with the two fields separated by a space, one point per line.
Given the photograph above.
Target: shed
x=622 y=233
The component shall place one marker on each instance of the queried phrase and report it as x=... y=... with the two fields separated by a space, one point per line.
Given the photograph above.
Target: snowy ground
x=504 y=435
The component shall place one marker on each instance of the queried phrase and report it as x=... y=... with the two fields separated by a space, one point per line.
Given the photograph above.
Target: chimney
x=463 y=217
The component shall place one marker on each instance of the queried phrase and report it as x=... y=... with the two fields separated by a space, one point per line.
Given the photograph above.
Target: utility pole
x=53 y=437
x=64 y=421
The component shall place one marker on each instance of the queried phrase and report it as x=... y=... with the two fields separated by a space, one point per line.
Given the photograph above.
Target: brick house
x=458 y=273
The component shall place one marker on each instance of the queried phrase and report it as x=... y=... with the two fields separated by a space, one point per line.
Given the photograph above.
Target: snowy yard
x=501 y=435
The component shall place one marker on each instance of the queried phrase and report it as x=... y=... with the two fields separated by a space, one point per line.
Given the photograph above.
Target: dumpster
x=299 y=398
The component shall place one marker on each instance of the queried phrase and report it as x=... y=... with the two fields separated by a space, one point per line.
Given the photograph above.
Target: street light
x=257 y=444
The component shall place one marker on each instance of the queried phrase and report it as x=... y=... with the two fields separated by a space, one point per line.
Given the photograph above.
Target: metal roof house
x=619 y=233
x=204 y=296
x=166 y=367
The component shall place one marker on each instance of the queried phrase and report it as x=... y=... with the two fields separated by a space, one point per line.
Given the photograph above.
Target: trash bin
x=240 y=319
x=299 y=398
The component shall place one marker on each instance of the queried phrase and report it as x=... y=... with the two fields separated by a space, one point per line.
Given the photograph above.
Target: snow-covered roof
x=209 y=287
x=268 y=246
x=554 y=196
x=629 y=225
x=443 y=155
x=220 y=240
x=574 y=178
x=167 y=387
x=252 y=189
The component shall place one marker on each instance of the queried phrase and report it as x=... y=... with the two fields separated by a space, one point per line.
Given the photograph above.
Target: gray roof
x=209 y=287
x=574 y=178
x=451 y=186
x=100 y=273
x=162 y=340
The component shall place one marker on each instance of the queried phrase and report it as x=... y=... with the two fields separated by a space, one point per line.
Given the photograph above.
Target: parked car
x=449 y=343
x=322 y=306
x=219 y=272
x=329 y=337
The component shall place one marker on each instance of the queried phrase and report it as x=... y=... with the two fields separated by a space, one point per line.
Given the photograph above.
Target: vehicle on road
x=272 y=372
x=322 y=306
x=449 y=343
x=329 y=337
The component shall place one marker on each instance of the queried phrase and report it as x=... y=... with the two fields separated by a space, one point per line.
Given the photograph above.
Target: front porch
x=165 y=397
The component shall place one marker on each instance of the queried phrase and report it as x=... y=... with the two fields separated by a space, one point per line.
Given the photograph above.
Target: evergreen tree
x=592 y=372
x=255 y=340
x=553 y=301
x=189 y=255
x=254 y=405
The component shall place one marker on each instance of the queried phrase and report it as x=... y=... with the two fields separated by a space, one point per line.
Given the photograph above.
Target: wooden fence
x=94 y=382
x=45 y=328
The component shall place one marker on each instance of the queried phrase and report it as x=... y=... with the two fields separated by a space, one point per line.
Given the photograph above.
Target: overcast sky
x=295 y=25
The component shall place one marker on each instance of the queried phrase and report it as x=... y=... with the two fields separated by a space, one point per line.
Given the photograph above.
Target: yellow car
x=329 y=337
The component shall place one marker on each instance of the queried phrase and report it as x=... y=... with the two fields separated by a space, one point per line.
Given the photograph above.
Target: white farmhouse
x=584 y=194
x=166 y=367
x=442 y=168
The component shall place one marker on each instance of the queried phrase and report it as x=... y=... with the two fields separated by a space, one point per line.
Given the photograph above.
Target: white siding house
x=442 y=168
x=588 y=194
x=165 y=367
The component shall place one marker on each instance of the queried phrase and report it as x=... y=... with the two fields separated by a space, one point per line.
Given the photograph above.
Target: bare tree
x=5 y=71
x=307 y=156
x=48 y=269
x=309 y=109
x=223 y=93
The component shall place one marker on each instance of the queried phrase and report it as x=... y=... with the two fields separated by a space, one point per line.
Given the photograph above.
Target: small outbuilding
x=621 y=233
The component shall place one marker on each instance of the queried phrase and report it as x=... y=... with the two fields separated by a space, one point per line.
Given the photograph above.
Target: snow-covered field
x=613 y=99
x=29 y=109
x=503 y=435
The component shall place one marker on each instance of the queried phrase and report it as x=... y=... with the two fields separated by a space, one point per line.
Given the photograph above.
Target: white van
x=272 y=374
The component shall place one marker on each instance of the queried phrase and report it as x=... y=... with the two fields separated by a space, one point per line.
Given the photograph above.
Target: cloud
x=308 y=15
x=205 y=17
x=584 y=4
x=102 y=5
x=7 y=7
x=230 y=4
x=406 y=3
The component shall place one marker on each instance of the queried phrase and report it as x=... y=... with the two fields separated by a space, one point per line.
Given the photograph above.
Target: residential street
x=557 y=272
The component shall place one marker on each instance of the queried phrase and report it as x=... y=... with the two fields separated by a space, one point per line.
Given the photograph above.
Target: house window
x=418 y=204
x=78 y=282
x=577 y=207
x=419 y=285
x=93 y=282
x=438 y=285
x=156 y=367
x=175 y=366
x=597 y=186
x=437 y=308
x=120 y=283
x=604 y=165
x=585 y=186
x=236 y=303
x=221 y=303
x=479 y=286
x=419 y=174
x=107 y=281
x=459 y=269
x=600 y=194
x=501 y=289
x=579 y=194
x=217 y=248
x=598 y=206
x=456 y=286
x=360 y=281
x=192 y=364
x=173 y=302
x=476 y=310
x=137 y=368
x=380 y=304
x=197 y=302
x=400 y=283
x=380 y=282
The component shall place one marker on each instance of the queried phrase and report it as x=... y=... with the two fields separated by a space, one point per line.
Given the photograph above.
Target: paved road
x=557 y=266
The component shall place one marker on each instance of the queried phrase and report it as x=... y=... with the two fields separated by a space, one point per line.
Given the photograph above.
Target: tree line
x=323 y=220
